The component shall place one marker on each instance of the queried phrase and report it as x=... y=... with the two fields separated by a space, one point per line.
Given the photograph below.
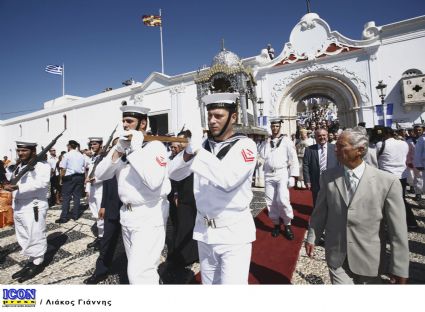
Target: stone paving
x=70 y=262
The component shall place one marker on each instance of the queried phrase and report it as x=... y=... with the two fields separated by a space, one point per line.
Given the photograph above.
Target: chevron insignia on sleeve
x=160 y=161
x=248 y=155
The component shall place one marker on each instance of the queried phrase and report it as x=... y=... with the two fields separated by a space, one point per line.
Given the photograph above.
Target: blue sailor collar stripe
x=280 y=139
x=227 y=145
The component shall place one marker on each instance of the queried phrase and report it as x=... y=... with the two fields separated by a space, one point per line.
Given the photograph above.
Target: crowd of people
x=202 y=185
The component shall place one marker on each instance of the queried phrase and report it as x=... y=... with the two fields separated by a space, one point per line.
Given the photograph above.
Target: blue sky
x=104 y=42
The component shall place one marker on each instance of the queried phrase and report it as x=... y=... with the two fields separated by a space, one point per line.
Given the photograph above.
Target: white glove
x=123 y=143
x=136 y=139
x=291 y=182
x=195 y=142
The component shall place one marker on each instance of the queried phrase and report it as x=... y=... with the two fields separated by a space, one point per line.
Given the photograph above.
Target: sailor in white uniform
x=30 y=206
x=280 y=169
x=94 y=190
x=143 y=185
x=223 y=166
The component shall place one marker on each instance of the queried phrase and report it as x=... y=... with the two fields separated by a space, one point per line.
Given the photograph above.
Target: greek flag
x=380 y=114
x=262 y=121
x=389 y=115
x=54 y=69
x=389 y=119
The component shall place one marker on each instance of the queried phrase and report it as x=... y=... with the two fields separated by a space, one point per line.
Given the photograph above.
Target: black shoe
x=95 y=279
x=94 y=244
x=61 y=221
x=288 y=232
x=22 y=271
x=276 y=231
x=418 y=197
x=31 y=272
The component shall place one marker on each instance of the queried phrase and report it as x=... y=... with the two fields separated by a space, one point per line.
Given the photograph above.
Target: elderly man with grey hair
x=355 y=204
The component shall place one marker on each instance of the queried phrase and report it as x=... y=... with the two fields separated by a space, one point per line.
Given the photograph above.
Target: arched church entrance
x=328 y=89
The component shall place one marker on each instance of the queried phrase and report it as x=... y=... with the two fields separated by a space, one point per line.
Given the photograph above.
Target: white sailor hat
x=275 y=120
x=95 y=139
x=26 y=144
x=220 y=100
x=133 y=110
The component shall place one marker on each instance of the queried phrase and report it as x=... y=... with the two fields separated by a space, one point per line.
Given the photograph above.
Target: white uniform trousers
x=224 y=263
x=144 y=240
x=95 y=200
x=31 y=235
x=414 y=178
x=418 y=182
x=277 y=197
x=259 y=175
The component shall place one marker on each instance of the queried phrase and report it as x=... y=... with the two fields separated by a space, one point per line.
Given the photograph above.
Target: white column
x=177 y=109
x=174 y=109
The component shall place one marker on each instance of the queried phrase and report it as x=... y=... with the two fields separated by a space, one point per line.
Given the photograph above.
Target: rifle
x=33 y=161
x=162 y=138
x=102 y=154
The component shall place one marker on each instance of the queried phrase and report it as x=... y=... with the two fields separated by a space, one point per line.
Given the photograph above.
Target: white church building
x=316 y=61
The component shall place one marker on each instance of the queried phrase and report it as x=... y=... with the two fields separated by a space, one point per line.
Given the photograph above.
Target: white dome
x=226 y=58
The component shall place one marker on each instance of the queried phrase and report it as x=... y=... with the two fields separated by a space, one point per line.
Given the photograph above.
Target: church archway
x=336 y=88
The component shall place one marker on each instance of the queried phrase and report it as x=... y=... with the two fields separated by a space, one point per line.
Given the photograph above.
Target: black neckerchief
x=18 y=168
x=278 y=142
x=94 y=157
x=224 y=150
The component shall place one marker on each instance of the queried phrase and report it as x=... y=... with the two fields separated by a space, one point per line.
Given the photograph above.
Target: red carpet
x=274 y=258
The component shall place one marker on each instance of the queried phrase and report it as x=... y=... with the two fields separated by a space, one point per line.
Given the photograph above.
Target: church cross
x=308 y=6
x=417 y=88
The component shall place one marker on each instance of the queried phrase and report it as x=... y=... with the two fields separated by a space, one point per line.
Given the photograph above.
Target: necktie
x=322 y=160
x=351 y=183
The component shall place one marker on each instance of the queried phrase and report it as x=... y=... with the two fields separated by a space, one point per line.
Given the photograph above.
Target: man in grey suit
x=318 y=158
x=352 y=205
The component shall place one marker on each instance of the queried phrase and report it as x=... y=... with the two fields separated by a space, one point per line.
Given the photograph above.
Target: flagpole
x=63 y=79
x=162 y=46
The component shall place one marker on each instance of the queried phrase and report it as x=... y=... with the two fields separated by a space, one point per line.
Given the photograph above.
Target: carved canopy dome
x=226 y=58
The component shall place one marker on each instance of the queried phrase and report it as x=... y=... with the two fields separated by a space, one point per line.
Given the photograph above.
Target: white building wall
x=397 y=55
x=401 y=48
x=189 y=114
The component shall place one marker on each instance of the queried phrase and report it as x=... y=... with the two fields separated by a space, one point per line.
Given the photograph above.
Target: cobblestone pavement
x=70 y=262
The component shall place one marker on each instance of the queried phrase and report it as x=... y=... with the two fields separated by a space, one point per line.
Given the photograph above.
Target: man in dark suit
x=110 y=213
x=183 y=211
x=318 y=158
